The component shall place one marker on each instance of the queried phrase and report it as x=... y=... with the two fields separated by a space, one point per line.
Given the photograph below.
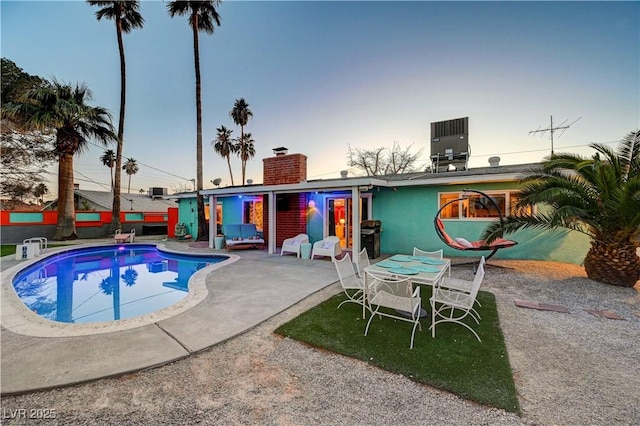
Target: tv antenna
x=552 y=129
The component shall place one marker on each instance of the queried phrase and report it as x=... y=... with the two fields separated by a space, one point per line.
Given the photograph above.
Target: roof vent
x=280 y=151
x=494 y=161
x=343 y=174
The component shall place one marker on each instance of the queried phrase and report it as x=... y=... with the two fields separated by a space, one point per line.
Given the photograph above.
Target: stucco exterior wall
x=407 y=216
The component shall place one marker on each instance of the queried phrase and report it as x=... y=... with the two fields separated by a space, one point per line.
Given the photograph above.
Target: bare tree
x=383 y=161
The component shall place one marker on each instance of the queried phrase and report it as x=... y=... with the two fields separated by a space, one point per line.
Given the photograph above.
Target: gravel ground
x=570 y=369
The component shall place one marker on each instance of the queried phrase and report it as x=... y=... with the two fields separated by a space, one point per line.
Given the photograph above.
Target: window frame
x=508 y=194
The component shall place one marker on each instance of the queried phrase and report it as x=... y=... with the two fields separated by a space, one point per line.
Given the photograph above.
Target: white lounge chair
x=352 y=285
x=294 y=244
x=330 y=246
x=451 y=305
x=436 y=254
x=398 y=294
x=119 y=237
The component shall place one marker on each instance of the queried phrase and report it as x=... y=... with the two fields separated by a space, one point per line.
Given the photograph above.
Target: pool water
x=107 y=283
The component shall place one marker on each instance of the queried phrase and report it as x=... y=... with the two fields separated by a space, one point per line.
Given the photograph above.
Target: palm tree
x=63 y=108
x=246 y=150
x=39 y=191
x=241 y=115
x=109 y=159
x=126 y=15
x=130 y=168
x=224 y=146
x=202 y=16
x=598 y=196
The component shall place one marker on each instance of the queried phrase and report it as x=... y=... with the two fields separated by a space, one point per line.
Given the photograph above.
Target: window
x=218 y=212
x=476 y=206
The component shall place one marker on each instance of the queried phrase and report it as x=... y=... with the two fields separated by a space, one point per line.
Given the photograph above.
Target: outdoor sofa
x=242 y=236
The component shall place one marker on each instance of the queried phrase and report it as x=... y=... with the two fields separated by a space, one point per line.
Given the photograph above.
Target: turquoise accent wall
x=89 y=217
x=26 y=217
x=187 y=214
x=231 y=210
x=133 y=216
x=407 y=216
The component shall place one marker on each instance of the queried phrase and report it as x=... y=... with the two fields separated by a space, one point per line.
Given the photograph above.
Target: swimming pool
x=107 y=283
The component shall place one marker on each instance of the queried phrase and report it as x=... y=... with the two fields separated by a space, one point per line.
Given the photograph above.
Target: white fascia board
x=179 y=196
x=330 y=185
x=460 y=180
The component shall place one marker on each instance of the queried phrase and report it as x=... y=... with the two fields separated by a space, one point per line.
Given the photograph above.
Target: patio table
x=422 y=270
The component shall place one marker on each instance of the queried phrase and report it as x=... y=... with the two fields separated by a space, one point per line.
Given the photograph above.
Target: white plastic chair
x=436 y=254
x=352 y=285
x=362 y=261
x=294 y=244
x=449 y=305
x=330 y=246
x=398 y=294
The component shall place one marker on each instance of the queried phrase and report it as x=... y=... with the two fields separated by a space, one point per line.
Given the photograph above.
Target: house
x=286 y=204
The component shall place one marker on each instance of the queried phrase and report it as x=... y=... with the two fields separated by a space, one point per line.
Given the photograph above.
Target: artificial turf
x=453 y=361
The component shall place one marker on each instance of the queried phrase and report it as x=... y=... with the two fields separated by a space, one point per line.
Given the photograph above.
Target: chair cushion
x=248 y=231
x=232 y=231
x=463 y=242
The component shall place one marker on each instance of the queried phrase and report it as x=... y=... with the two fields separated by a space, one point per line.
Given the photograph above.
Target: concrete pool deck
x=240 y=296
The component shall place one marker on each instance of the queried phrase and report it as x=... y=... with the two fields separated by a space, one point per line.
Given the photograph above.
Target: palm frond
x=597 y=196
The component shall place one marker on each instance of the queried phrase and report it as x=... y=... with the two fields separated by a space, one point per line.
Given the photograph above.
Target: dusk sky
x=319 y=76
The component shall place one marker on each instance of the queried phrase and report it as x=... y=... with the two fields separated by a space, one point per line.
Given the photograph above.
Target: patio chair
x=393 y=294
x=436 y=254
x=450 y=305
x=293 y=245
x=461 y=285
x=330 y=246
x=362 y=261
x=352 y=285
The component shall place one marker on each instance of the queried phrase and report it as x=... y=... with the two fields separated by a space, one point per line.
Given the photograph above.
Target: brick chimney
x=284 y=168
x=291 y=216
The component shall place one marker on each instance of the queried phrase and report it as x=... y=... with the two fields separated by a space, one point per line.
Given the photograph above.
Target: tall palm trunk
x=203 y=226
x=243 y=148
x=613 y=263
x=229 y=165
x=66 y=226
x=116 y=207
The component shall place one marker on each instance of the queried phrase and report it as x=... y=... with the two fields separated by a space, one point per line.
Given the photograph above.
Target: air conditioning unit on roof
x=157 y=192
